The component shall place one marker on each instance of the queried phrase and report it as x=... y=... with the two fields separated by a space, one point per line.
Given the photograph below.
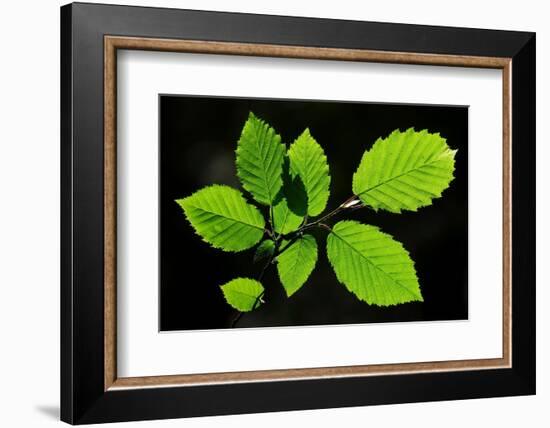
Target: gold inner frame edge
x=113 y=43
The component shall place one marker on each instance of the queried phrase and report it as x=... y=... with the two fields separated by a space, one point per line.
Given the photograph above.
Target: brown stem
x=260 y=276
x=347 y=204
x=325 y=226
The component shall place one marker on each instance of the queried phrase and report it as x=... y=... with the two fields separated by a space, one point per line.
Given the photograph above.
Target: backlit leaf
x=244 y=294
x=264 y=250
x=260 y=160
x=221 y=216
x=404 y=171
x=372 y=265
x=308 y=161
x=296 y=263
x=291 y=203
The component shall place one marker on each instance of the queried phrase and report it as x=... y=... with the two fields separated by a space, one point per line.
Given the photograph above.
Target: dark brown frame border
x=114 y=43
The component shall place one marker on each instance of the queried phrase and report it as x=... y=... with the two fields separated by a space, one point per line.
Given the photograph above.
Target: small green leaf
x=404 y=171
x=260 y=160
x=244 y=294
x=221 y=216
x=285 y=221
x=296 y=263
x=264 y=250
x=291 y=203
x=308 y=161
x=372 y=265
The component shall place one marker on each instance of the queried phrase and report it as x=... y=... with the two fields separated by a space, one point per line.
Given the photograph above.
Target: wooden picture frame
x=91 y=390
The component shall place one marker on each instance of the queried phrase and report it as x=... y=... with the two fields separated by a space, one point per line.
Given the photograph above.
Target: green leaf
x=404 y=171
x=264 y=250
x=244 y=294
x=308 y=161
x=372 y=265
x=285 y=221
x=260 y=160
x=221 y=216
x=291 y=203
x=296 y=263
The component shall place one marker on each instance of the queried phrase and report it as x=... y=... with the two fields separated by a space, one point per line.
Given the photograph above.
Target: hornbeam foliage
x=308 y=161
x=264 y=250
x=291 y=205
x=296 y=262
x=260 y=160
x=372 y=265
x=221 y=216
x=243 y=294
x=404 y=171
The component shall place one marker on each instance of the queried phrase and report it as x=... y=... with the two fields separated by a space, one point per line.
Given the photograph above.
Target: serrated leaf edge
x=417 y=298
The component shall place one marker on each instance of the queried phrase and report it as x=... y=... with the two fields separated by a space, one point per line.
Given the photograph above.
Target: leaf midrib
x=313 y=159
x=255 y=299
x=228 y=218
x=301 y=243
x=265 y=169
x=395 y=177
x=285 y=217
x=372 y=264
x=251 y=296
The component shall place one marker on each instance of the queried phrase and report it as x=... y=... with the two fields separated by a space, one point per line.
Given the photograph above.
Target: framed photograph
x=267 y=213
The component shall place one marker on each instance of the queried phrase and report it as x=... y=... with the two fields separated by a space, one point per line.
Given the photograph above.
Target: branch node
x=325 y=226
x=354 y=200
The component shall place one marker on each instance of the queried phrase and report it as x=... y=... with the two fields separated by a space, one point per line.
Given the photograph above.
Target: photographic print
x=281 y=213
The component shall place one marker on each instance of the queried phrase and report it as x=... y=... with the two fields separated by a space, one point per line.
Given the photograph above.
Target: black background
x=198 y=137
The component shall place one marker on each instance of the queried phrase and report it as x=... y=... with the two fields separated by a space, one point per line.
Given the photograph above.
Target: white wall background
x=29 y=213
